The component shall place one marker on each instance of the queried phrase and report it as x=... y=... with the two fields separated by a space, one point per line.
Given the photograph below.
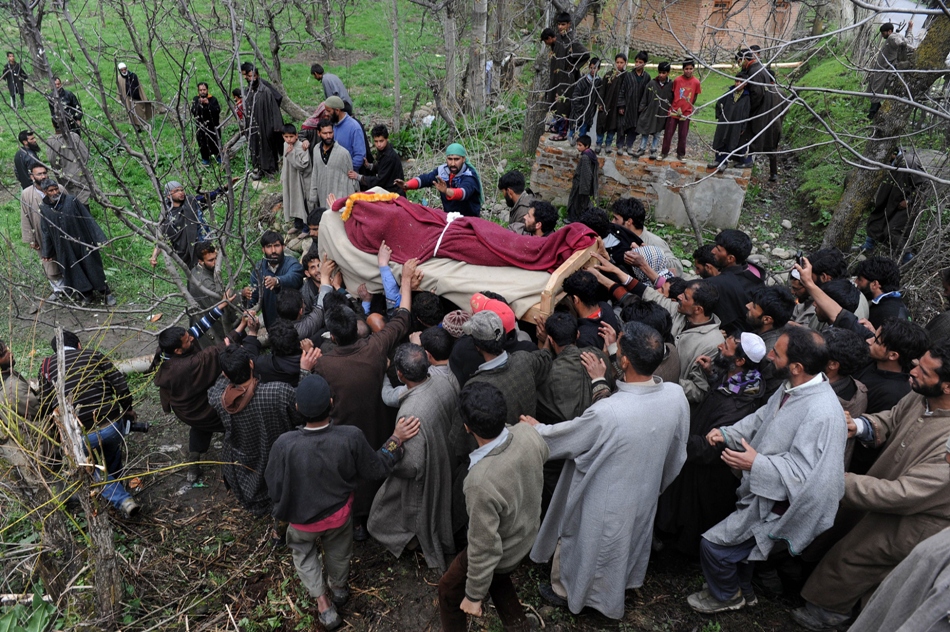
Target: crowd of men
x=792 y=436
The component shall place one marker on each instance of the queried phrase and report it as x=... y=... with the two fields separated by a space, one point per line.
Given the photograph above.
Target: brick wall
x=714 y=198
x=716 y=31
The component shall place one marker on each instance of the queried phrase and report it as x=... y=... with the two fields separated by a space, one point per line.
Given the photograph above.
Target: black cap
x=313 y=397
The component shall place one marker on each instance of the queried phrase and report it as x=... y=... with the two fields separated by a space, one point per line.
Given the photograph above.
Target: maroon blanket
x=413 y=230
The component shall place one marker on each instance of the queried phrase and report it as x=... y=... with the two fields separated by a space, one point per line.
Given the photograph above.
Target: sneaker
x=652 y=154
x=817 y=619
x=704 y=603
x=608 y=151
x=110 y=299
x=330 y=619
x=339 y=596
x=663 y=156
x=681 y=156
x=547 y=593
x=641 y=151
x=129 y=508
x=597 y=150
x=715 y=165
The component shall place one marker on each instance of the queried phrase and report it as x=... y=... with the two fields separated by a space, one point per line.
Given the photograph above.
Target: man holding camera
x=102 y=402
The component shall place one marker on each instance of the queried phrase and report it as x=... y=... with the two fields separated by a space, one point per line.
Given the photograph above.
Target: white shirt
x=480 y=453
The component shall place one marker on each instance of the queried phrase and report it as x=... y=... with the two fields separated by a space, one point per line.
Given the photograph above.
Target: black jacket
x=887 y=307
x=885 y=388
x=99 y=392
x=71 y=107
x=386 y=169
x=588 y=329
x=23 y=161
x=736 y=284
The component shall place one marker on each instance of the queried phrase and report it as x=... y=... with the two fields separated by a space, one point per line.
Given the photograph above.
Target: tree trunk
x=450 y=33
x=397 y=87
x=478 y=55
x=30 y=25
x=537 y=106
x=890 y=122
x=102 y=556
x=287 y=105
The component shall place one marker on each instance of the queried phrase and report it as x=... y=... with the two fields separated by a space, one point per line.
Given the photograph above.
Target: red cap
x=481 y=302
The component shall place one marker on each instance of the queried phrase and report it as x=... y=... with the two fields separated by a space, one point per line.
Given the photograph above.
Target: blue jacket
x=470 y=205
x=289 y=274
x=350 y=134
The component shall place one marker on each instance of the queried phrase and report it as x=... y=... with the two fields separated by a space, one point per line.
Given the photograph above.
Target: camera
x=138 y=426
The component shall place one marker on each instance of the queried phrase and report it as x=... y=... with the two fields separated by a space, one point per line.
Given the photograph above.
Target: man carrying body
x=457 y=182
x=415 y=502
x=26 y=157
x=792 y=474
x=206 y=112
x=600 y=500
x=737 y=278
x=503 y=501
x=275 y=270
x=512 y=186
x=902 y=500
x=68 y=105
x=347 y=131
x=891 y=58
x=331 y=167
x=355 y=370
x=320 y=516
x=332 y=87
x=15 y=77
x=102 y=401
x=31 y=226
x=387 y=168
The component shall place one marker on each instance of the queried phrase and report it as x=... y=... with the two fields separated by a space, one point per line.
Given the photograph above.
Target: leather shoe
x=360 y=534
x=547 y=593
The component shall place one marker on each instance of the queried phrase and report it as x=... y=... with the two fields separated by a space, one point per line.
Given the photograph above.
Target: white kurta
x=331 y=177
x=622 y=453
x=295 y=182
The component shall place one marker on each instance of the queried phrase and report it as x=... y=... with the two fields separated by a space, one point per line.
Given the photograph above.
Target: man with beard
x=184 y=372
x=347 y=131
x=705 y=491
x=31 y=226
x=630 y=214
x=704 y=262
x=790 y=452
x=902 y=500
x=332 y=164
x=26 y=156
x=66 y=154
x=15 y=76
x=131 y=94
x=273 y=272
x=567 y=58
x=387 y=168
x=206 y=112
x=71 y=237
x=205 y=289
x=69 y=105
x=458 y=184
x=879 y=279
x=541 y=219
x=628 y=103
x=766 y=315
x=512 y=186
x=182 y=223
x=264 y=124
x=609 y=92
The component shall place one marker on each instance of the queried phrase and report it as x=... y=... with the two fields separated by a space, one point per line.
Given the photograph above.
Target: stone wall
x=715 y=199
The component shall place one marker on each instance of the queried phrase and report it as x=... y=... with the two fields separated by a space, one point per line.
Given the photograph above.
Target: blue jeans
x=583 y=129
x=727 y=568
x=107 y=442
x=653 y=146
x=610 y=139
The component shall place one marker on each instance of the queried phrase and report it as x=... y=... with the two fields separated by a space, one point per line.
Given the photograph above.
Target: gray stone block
x=715 y=202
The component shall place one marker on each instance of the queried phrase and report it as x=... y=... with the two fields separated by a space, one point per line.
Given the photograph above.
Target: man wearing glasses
x=31 y=226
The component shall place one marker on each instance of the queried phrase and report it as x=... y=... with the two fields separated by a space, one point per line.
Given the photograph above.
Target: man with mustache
x=26 y=157
x=273 y=272
x=902 y=500
x=457 y=182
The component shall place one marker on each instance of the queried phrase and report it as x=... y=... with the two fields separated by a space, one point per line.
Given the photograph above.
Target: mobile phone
x=800 y=258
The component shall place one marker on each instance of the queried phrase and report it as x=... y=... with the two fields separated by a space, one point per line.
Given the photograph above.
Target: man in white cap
x=705 y=490
x=347 y=132
x=130 y=90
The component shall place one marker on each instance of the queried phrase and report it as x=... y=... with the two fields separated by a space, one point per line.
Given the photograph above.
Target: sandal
x=558 y=139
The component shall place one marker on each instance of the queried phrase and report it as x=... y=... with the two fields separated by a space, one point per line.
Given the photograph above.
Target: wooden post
x=102 y=555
